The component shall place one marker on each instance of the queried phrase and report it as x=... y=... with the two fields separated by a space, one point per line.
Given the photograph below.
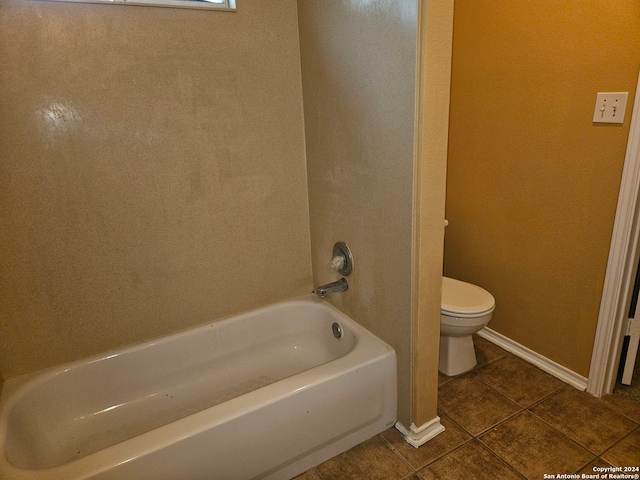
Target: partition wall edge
x=433 y=72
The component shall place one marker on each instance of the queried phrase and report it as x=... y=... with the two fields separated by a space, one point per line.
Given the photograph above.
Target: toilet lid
x=465 y=299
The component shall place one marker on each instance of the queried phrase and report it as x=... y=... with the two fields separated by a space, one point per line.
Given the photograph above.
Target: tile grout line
x=513 y=401
x=601 y=400
x=414 y=470
x=479 y=440
x=496 y=424
x=598 y=455
x=564 y=434
x=618 y=442
x=472 y=374
x=595 y=456
x=399 y=454
x=537 y=402
x=448 y=453
x=511 y=467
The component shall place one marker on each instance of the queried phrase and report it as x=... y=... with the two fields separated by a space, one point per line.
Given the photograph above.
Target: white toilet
x=466 y=309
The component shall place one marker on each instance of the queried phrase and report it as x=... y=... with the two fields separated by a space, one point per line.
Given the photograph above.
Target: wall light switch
x=610 y=107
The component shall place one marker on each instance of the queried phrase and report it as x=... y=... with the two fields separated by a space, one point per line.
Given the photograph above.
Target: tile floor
x=506 y=419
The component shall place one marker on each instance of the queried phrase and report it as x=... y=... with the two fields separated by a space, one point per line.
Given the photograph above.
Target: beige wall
x=358 y=75
x=368 y=171
x=532 y=183
x=153 y=172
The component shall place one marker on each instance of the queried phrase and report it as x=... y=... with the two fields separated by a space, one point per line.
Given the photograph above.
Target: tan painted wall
x=358 y=73
x=436 y=25
x=153 y=172
x=532 y=183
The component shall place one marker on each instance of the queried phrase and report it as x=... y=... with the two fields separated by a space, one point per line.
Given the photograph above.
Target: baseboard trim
x=417 y=436
x=540 y=361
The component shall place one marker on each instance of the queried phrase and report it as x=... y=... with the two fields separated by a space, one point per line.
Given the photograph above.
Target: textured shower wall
x=359 y=65
x=152 y=174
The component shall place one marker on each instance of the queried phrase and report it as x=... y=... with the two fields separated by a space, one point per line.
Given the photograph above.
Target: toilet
x=465 y=310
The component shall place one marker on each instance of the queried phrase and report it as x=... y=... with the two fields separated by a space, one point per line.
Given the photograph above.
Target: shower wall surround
x=359 y=86
x=158 y=171
x=153 y=172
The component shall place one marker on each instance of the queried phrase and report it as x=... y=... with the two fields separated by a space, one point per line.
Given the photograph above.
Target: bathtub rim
x=11 y=385
x=367 y=349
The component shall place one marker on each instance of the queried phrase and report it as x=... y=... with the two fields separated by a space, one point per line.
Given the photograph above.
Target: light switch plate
x=610 y=107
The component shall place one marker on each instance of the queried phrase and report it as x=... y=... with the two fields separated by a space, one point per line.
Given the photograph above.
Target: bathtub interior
x=75 y=410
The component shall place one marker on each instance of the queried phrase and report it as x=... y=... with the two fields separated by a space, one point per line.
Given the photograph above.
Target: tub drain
x=337 y=330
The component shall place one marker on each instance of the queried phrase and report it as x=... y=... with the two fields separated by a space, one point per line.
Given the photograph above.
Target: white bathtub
x=266 y=394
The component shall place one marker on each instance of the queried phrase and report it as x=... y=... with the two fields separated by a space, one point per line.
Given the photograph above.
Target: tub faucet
x=333 y=287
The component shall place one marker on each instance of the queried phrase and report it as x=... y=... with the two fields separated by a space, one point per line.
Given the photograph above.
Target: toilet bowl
x=465 y=310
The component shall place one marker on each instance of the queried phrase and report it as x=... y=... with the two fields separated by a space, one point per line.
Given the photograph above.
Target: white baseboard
x=416 y=436
x=540 y=361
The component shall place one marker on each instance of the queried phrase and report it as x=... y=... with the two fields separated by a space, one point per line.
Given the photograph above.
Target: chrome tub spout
x=333 y=287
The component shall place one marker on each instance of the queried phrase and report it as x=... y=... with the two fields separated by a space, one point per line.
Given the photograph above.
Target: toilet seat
x=465 y=300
